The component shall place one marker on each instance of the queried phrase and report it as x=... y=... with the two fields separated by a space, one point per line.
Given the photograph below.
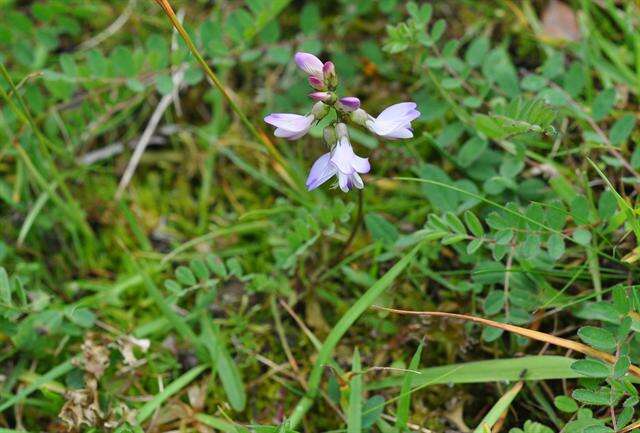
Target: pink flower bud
x=316 y=83
x=320 y=96
x=330 y=77
x=350 y=103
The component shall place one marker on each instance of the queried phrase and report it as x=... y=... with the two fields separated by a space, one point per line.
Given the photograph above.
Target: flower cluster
x=341 y=161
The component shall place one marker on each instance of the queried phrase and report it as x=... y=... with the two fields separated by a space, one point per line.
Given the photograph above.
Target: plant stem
x=354 y=230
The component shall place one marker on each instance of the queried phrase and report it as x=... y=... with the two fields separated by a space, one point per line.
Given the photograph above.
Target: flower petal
x=321 y=171
x=343 y=182
x=343 y=156
x=290 y=122
x=356 y=181
x=309 y=63
x=396 y=110
x=400 y=133
x=361 y=165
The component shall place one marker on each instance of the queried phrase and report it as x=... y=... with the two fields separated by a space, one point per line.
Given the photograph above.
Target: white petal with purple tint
x=289 y=126
x=309 y=63
x=394 y=121
x=321 y=171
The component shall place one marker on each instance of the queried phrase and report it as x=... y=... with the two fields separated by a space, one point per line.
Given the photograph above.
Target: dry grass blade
x=525 y=332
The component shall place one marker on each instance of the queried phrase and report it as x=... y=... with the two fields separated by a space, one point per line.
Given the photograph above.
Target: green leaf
x=216 y=265
x=582 y=236
x=474 y=224
x=5 y=287
x=599 y=338
x=185 y=276
x=603 y=103
x=621 y=130
x=381 y=230
x=555 y=246
x=565 y=404
x=591 y=368
x=372 y=410
x=591 y=397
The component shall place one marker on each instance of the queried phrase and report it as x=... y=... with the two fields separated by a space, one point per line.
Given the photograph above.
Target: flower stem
x=354 y=230
x=259 y=135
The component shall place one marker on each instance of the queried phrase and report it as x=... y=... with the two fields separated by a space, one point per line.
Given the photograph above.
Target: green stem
x=354 y=230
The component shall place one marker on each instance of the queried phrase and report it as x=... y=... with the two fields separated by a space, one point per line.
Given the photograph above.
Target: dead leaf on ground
x=559 y=21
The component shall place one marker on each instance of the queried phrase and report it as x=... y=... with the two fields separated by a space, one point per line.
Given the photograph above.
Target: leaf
x=5 y=287
x=621 y=130
x=381 y=229
x=603 y=103
x=591 y=397
x=591 y=368
x=371 y=410
x=581 y=236
x=555 y=246
x=474 y=224
x=185 y=276
x=565 y=404
x=599 y=338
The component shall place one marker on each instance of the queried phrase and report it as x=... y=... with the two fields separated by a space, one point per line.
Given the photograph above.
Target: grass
x=212 y=291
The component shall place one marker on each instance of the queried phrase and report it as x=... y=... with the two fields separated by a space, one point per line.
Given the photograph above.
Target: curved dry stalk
x=525 y=332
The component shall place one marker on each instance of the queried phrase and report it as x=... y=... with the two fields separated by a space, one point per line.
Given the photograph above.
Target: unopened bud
x=316 y=83
x=330 y=77
x=330 y=136
x=341 y=130
x=359 y=117
x=320 y=96
x=349 y=103
x=319 y=110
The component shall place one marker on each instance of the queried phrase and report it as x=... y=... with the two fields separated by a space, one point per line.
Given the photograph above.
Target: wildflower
x=316 y=83
x=321 y=96
x=290 y=126
x=310 y=64
x=394 y=121
x=349 y=103
x=341 y=162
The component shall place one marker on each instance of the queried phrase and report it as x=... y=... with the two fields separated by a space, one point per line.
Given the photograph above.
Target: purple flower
x=394 y=121
x=316 y=82
x=320 y=96
x=341 y=162
x=310 y=64
x=290 y=126
x=350 y=103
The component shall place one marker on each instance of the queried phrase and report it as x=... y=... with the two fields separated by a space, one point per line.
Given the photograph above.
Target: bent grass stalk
x=259 y=135
x=525 y=332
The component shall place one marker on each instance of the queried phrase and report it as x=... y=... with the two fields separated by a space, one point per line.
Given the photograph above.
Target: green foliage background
x=214 y=292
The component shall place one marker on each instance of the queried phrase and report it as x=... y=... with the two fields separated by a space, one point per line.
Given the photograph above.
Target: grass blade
x=340 y=328
x=525 y=332
x=354 y=414
x=225 y=367
x=499 y=408
x=402 y=413
x=174 y=387
x=495 y=370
